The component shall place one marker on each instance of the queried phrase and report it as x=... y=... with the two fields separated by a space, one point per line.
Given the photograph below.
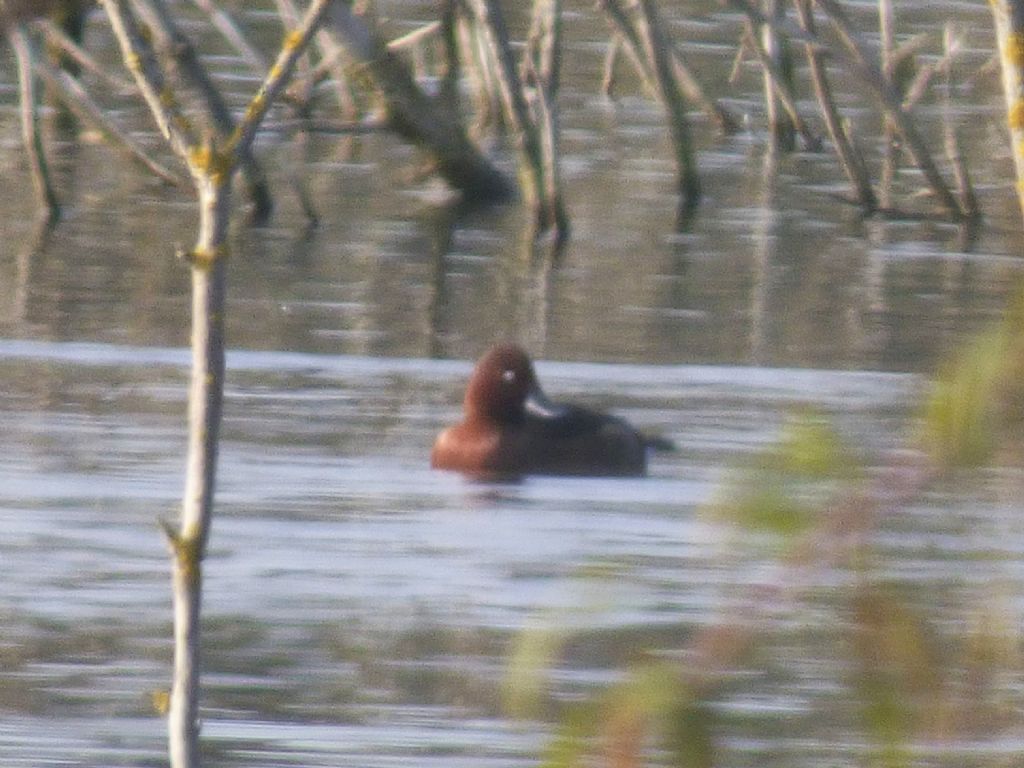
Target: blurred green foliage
x=533 y=654
x=907 y=679
x=977 y=402
x=898 y=672
x=652 y=709
x=780 y=488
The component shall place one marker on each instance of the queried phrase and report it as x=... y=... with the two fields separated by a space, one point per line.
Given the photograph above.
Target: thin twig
x=294 y=45
x=56 y=37
x=611 y=58
x=332 y=63
x=783 y=92
x=850 y=159
x=183 y=61
x=917 y=87
x=141 y=60
x=869 y=72
x=625 y=37
x=416 y=37
x=231 y=32
x=968 y=198
x=78 y=101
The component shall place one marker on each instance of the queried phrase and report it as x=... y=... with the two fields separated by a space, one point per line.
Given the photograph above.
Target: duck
x=510 y=428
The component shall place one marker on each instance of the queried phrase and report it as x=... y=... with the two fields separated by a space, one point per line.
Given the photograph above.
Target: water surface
x=361 y=609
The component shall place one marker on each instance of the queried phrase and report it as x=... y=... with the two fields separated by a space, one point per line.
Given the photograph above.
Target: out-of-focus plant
x=777 y=489
x=653 y=709
x=977 y=403
x=897 y=673
x=907 y=678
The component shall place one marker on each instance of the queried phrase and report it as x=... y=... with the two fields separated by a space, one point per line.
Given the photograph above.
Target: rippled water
x=361 y=609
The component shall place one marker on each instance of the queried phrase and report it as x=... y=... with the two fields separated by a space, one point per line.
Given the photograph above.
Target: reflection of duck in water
x=510 y=428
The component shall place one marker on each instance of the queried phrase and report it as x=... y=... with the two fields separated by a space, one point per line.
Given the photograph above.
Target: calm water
x=363 y=610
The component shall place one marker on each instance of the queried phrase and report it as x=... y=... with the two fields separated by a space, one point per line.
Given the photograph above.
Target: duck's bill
x=538 y=405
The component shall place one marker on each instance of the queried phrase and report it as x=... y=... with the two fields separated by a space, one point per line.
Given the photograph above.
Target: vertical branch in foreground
x=1009 y=22
x=212 y=163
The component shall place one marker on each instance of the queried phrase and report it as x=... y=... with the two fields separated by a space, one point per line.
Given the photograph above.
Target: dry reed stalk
x=771 y=50
x=538 y=163
x=25 y=54
x=649 y=49
x=849 y=158
x=650 y=28
x=892 y=104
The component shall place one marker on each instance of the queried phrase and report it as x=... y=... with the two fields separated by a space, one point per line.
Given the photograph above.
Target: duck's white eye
x=508 y=375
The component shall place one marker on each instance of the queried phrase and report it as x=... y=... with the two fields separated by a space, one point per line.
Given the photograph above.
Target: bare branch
x=183 y=64
x=277 y=78
x=230 y=31
x=141 y=60
x=79 y=102
x=57 y=38
x=891 y=101
x=782 y=91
